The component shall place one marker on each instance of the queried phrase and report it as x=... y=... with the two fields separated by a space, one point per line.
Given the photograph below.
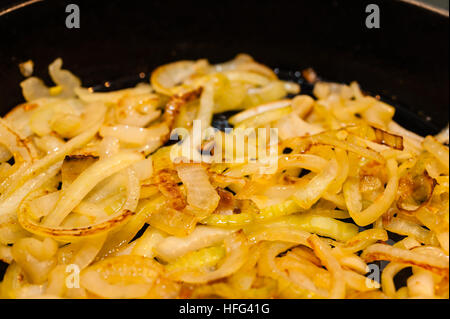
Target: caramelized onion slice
x=69 y=234
x=200 y=193
x=385 y=138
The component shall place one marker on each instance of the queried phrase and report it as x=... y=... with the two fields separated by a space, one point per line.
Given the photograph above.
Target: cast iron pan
x=405 y=61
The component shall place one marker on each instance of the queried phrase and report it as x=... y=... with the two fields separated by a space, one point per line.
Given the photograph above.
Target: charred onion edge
x=20 y=142
x=73 y=232
x=379 y=138
x=168 y=186
x=175 y=103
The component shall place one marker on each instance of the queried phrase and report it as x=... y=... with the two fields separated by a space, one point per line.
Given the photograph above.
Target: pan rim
x=428 y=7
x=17 y=6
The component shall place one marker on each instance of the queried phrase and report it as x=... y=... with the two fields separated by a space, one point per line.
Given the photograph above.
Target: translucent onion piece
x=14 y=284
x=10 y=204
x=165 y=78
x=236 y=252
x=343 y=171
x=247 y=114
x=126 y=233
x=125 y=133
x=272 y=91
x=173 y=247
x=76 y=233
x=81 y=253
x=14 y=143
x=200 y=193
x=443 y=136
x=310 y=162
x=35 y=257
x=264 y=118
x=73 y=166
x=143 y=169
x=201 y=259
x=438 y=150
x=121 y=277
x=157 y=135
x=33 y=89
x=408 y=228
x=436 y=264
x=206 y=109
x=109 y=146
x=48 y=143
x=387 y=278
x=364 y=239
x=292 y=126
x=138 y=110
x=176 y=102
x=63 y=78
x=286 y=233
x=323 y=251
x=396 y=128
x=267 y=267
x=174 y=222
x=11 y=230
x=90 y=96
x=351 y=147
x=41 y=206
x=324 y=226
x=245 y=62
x=5 y=254
x=381 y=204
x=85 y=182
x=20 y=176
x=307 y=195
x=145 y=245
x=19 y=118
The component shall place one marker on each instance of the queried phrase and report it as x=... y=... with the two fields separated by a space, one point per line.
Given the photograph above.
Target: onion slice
x=121 y=277
x=11 y=203
x=85 y=182
x=200 y=193
x=435 y=264
x=381 y=204
x=236 y=253
x=173 y=247
x=68 y=234
x=324 y=252
x=385 y=138
x=438 y=150
x=247 y=114
x=309 y=194
x=20 y=176
x=166 y=78
x=14 y=143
